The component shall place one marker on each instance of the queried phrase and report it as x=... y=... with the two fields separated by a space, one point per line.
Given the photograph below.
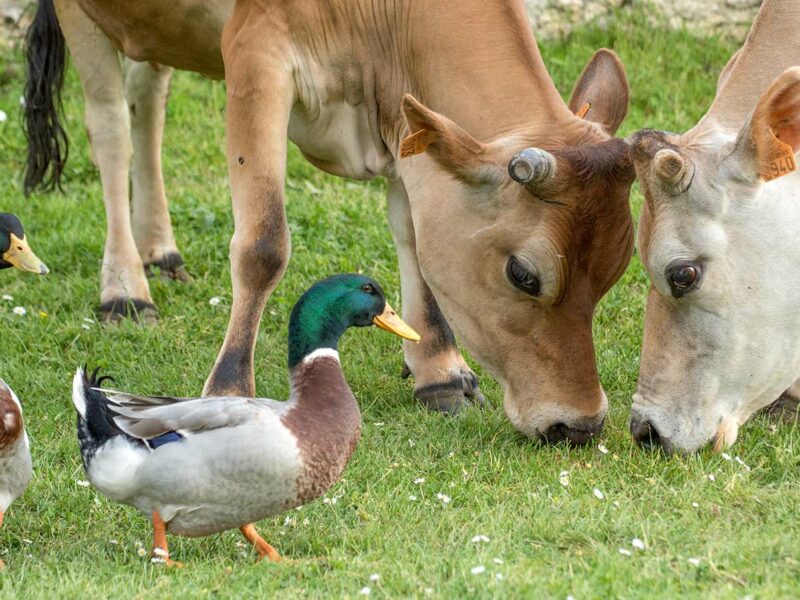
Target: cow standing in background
x=718 y=236
x=510 y=213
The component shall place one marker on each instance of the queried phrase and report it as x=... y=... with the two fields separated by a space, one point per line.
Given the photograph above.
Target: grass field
x=731 y=535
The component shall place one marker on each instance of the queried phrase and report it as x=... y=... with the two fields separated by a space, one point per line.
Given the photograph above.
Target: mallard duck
x=197 y=466
x=15 y=455
x=14 y=249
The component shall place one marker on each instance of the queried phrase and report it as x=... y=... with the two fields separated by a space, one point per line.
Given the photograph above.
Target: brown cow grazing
x=510 y=214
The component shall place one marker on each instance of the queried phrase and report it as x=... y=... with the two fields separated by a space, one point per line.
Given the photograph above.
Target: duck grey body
x=239 y=460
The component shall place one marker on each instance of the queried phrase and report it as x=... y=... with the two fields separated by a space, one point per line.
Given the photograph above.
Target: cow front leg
x=443 y=381
x=123 y=286
x=260 y=96
x=147 y=91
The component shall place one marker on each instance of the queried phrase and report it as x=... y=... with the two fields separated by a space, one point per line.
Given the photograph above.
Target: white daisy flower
x=374 y=577
x=479 y=538
x=711 y=477
x=602 y=448
x=83 y=483
x=498 y=561
x=141 y=551
x=19 y=310
x=419 y=480
x=625 y=552
x=412 y=498
x=477 y=570
x=598 y=494
x=444 y=498
x=726 y=456
x=638 y=544
x=8 y=297
x=694 y=562
x=215 y=301
x=365 y=591
x=3 y=116
x=563 y=478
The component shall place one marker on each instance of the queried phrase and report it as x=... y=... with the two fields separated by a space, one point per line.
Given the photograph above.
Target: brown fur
x=482 y=86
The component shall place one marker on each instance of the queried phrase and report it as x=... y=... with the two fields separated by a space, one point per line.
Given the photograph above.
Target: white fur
x=730 y=347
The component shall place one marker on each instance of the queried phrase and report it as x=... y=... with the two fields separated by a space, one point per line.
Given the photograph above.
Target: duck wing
x=147 y=417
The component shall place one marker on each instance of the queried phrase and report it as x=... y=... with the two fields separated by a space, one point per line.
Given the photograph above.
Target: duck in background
x=15 y=455
x=14 y=248
x=197 y=466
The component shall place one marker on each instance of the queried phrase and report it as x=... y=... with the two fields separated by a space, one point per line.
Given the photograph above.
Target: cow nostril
x=561 y=432
x=647 y=436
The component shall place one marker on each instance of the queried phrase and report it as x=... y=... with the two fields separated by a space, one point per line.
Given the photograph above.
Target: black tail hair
x=48 y=146
x=98 y=426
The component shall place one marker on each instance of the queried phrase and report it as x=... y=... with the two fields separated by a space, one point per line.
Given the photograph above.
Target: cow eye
x=683 y=277
x=522 y=277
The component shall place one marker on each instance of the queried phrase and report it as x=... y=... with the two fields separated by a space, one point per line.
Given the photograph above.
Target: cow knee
x=261 y=258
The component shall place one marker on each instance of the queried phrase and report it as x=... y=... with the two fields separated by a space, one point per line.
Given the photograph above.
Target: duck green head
x=14 y=249
x=331 y=306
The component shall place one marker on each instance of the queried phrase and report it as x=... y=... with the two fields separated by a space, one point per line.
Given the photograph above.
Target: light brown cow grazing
x=512 y=247
x=718 y=237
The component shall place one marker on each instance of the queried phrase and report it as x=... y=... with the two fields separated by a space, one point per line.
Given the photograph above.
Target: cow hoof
x=784 y=408
x=449 y=397
x=141 y=311
x=170 y=266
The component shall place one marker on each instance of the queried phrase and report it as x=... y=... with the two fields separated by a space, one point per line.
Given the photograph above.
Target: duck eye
x=522 y=277
x=683 y=277
x=368 y=288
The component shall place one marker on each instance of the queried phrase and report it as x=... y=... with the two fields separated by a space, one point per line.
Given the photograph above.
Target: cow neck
x=483 y=70
x=772 y=46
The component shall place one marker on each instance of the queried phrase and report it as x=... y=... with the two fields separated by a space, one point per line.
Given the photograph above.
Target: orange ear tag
x=417 y=142
x=779 y=160
x=583 y=110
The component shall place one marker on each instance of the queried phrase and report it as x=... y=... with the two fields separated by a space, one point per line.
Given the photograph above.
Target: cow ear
x=601 y=92
x=447 y=143
x=773 y=131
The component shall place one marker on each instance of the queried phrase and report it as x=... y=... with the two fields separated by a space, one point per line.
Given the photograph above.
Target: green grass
x=61 y=539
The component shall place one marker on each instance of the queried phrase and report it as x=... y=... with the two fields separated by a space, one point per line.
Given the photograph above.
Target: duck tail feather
x=96 y=424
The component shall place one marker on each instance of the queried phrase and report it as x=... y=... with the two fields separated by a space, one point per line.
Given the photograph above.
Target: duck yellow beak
x=21 y=256
x=390 y=322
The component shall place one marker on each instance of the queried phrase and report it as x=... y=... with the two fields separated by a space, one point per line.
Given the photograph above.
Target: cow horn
x=669 y=166
x=532 y=165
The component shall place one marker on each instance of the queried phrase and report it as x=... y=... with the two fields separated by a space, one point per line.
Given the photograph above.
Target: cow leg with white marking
x=147 y=91
x=124 y=288
x=260 y=98
x=443 y=380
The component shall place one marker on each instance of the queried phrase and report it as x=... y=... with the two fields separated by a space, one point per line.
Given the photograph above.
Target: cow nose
x=575 y=435
x=646 y=435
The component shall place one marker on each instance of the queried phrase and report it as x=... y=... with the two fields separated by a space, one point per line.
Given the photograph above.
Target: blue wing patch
x=164 y=438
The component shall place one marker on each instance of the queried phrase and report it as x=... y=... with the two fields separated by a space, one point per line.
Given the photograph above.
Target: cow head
x=720 y=245
x=519 y=238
